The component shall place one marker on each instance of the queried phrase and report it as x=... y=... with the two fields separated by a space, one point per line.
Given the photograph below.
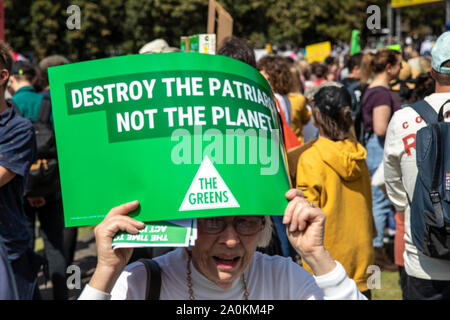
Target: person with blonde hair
x=300 y=112
x=366 y=68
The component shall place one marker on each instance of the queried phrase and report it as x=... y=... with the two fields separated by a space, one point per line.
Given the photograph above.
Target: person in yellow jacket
x=333 y=175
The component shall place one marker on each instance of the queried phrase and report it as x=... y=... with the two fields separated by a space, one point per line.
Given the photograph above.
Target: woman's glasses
x=244 y=225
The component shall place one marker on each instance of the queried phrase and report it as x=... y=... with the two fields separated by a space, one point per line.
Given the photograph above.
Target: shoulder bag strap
x=153 y=288
x=434 y=193
x=45 y=111
x=441 y=111
x=425 y=111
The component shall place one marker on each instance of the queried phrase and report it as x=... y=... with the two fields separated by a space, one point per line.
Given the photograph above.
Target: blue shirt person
x=17 y=153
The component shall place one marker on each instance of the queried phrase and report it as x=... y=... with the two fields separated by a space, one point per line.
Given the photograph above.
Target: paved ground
x=85 y=258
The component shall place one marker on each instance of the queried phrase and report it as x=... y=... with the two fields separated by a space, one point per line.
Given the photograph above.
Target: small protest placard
x=173 y=233
x=318 y=51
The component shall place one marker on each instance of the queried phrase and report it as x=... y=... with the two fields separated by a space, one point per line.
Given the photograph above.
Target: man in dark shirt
x=17 y=152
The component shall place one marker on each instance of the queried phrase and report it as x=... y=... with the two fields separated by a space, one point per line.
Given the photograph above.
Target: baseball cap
x=157 y=46
x=441 y=53
x=330 y=99
x=309 y=94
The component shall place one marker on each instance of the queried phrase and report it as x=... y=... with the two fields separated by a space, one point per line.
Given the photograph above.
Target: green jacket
x=28 y=102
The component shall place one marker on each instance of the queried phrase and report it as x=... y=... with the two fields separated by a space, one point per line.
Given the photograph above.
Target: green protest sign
x=186 y=134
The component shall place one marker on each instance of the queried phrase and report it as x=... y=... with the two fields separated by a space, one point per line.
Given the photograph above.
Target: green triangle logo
x=208 y=190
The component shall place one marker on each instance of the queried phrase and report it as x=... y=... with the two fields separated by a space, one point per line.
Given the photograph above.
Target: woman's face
x=223 y=257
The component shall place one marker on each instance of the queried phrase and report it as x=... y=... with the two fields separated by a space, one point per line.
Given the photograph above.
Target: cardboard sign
x=186 y=134
x=318 y=51
x=224 y=21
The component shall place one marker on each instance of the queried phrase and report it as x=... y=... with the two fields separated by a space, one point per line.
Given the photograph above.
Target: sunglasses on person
x=244 y=225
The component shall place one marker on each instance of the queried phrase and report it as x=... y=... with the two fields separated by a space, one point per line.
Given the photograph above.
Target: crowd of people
x=347 y=128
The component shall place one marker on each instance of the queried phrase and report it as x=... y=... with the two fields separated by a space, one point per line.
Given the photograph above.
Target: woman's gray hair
x=266 y=233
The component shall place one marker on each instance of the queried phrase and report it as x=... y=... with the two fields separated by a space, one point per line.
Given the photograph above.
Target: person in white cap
x=427 y=278
x=157 y=46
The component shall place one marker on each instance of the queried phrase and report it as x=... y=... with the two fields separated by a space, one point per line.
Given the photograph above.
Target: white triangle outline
x=208 y=166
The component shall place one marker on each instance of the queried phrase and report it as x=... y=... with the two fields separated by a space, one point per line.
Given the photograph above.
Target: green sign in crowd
x=186 y=134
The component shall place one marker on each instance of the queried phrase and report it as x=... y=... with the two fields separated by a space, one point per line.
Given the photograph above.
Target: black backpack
x=430 y=203
x=43 y=178
x=356 y=106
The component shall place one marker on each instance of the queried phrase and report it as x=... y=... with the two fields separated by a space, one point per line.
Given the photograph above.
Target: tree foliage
x=113 y=27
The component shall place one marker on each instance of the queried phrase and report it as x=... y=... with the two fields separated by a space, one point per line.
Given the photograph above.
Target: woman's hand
x=110 y=263
x=305 y=226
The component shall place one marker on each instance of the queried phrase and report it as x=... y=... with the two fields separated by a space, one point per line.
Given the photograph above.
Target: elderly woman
x=224 y=263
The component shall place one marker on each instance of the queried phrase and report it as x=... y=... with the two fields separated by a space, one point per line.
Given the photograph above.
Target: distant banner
x=186 y=134
x=407 y=3
x=318 y=51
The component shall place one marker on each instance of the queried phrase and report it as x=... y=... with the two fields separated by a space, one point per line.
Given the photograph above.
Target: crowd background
x=278 y=33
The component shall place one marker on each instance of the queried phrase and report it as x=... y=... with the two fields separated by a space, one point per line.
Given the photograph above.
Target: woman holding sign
x=224 y=263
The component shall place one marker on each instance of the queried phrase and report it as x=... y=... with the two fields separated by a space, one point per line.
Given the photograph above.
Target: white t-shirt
x=400 y=173
x=268 y=278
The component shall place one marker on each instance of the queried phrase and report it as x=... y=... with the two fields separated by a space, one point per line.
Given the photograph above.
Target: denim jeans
x=8 y=288
x=424 y=289
x=381 y=206
x=51 y=224
x=25 y=270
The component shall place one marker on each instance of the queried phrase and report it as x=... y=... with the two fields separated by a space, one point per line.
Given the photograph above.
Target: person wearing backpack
x=42 y=200
x=426 y=255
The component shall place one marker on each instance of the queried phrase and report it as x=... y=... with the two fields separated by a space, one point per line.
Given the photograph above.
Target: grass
x=390 y=287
